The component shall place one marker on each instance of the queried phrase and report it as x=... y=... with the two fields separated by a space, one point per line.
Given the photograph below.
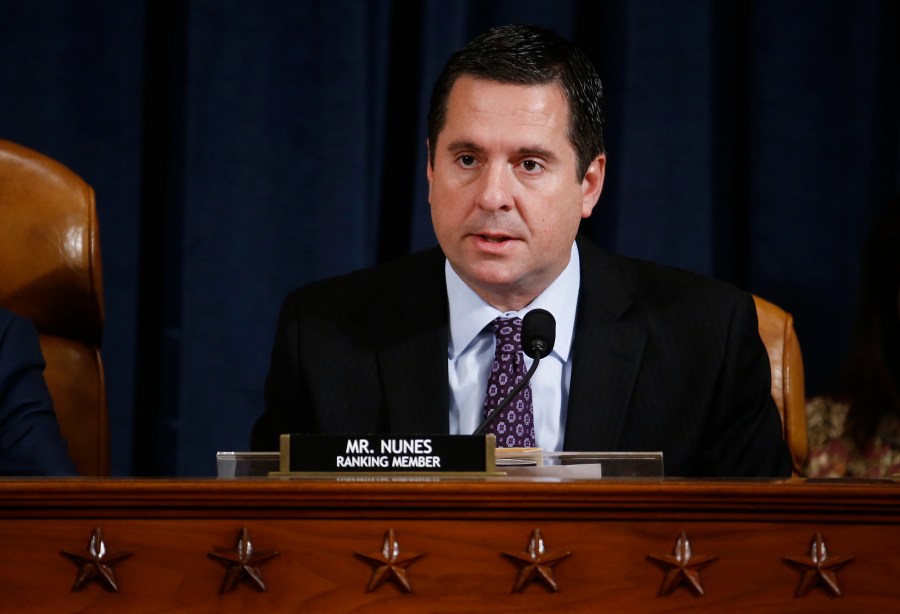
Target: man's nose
x=496 y=186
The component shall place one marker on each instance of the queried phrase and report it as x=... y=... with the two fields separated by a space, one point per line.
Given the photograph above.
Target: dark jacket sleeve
x=745 y=437
x=30 y=439
x=285 y=391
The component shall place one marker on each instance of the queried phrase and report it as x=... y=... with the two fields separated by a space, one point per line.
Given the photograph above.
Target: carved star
x=95 y=563
x=682 y=565
x=389 y=564
x=243 y=563
x=535 y=563
x=818 y=567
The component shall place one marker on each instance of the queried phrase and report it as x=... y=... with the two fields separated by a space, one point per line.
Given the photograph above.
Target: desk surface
x=449 y=545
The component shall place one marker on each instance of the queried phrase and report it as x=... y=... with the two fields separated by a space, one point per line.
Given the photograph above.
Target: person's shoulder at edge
x=6 y=319
x=30 y=440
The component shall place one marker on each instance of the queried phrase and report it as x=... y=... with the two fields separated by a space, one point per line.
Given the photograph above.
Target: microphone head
x=538 y=333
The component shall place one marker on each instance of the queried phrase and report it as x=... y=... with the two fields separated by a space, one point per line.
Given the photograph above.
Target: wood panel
x=462 y=527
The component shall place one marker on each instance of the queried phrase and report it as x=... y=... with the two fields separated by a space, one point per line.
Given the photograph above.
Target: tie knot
x=508 y=332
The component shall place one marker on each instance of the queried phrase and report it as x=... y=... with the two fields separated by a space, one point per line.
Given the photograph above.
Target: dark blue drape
x=241 y=149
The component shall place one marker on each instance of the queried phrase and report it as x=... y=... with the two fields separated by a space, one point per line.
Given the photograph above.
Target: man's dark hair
x=529 y=55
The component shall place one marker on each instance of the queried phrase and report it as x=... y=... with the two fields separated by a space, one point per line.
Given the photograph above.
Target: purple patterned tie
x=514 y=426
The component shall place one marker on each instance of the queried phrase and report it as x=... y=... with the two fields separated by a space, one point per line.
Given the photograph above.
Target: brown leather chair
x=776 y=328
x=50 y=273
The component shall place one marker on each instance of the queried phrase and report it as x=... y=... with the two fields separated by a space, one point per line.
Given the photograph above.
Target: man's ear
x=592 y=185
x=429 y=167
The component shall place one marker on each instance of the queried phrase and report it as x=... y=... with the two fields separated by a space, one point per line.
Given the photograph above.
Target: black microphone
x=538 y=337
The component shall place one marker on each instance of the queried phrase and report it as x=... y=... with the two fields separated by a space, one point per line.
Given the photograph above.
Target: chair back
x=776 y=328
x=50 y=273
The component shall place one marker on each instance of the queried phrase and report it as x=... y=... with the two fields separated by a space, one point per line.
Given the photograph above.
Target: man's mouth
x=495 y=238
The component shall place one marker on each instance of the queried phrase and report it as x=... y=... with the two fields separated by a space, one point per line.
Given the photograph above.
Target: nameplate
x=387 y=454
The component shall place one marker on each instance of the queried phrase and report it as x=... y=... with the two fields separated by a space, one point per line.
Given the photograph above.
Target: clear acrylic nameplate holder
x=531 y=462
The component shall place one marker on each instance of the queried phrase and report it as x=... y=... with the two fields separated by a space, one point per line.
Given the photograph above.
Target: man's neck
x=514 y=298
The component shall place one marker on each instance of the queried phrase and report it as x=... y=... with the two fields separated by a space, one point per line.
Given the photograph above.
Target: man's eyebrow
x=528 y=150
x=463 y=146
x=538 y=152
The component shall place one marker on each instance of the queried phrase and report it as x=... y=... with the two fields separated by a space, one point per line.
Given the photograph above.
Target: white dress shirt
x=471 y=352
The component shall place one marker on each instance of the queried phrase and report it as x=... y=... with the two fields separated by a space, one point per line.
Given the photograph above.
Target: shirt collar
x=469 y=313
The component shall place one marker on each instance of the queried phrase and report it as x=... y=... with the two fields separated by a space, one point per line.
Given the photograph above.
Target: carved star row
x=535 y=564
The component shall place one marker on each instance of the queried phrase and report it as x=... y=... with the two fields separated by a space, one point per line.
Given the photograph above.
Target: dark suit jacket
x=662 y=360
x=30 y=441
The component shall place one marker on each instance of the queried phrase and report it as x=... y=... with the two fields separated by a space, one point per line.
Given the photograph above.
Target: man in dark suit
x=30 y=441
x=646 y=358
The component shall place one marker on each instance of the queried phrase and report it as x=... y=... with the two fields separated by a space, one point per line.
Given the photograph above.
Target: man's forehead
x=475 y=104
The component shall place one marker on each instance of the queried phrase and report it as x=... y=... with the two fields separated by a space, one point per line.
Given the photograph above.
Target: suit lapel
x=607 y=354
x=411 y=347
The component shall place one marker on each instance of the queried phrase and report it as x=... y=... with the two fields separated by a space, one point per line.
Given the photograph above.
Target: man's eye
x=531 y=166
x=467 y=161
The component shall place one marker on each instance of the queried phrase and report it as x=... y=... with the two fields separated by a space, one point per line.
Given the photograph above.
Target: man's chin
x=494 y=279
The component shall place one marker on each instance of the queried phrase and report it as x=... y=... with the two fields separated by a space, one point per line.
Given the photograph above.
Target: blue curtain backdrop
x=240 y=149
